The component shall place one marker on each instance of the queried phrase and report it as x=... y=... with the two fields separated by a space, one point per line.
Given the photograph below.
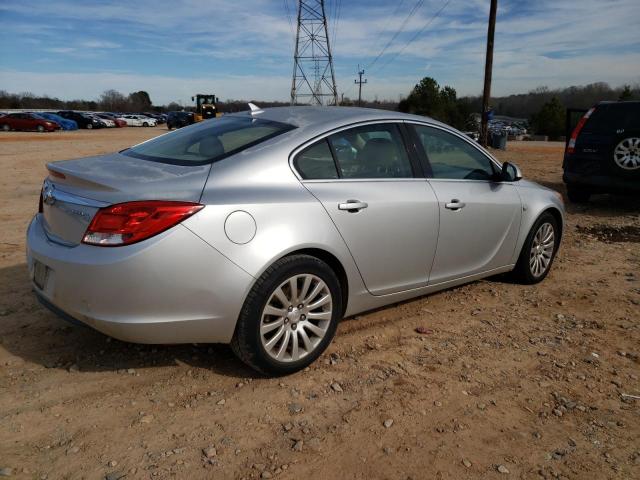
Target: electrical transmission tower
x=314 y=81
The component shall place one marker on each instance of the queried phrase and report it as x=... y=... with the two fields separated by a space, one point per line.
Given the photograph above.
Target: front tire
x=289 y=317
x=145 y=124
x=539 y=250
x=89 y=126
x=40 y=129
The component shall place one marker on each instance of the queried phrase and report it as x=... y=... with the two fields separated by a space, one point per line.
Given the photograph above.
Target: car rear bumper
x=173 y=288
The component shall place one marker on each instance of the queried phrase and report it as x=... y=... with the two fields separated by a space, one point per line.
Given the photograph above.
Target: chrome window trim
x=360 y=180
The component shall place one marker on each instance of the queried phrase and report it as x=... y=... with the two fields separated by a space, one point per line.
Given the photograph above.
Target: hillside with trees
x=543 y=107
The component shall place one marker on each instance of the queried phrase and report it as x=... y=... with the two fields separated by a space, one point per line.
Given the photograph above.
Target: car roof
x=324 y=118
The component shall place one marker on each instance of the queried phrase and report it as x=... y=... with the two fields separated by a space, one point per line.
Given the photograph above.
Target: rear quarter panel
x=287 y=217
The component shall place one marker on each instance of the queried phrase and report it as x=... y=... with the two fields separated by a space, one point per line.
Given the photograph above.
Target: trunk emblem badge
x=48 y=196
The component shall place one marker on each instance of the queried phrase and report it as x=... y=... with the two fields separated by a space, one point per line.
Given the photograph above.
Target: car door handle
x=454 y=204
x=352 y=206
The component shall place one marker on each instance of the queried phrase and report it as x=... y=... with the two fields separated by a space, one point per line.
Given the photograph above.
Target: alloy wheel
x=627 y=154
x=542 y=250
x=296 y=318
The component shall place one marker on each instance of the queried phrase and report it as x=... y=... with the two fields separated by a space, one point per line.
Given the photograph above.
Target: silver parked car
x=263 y=229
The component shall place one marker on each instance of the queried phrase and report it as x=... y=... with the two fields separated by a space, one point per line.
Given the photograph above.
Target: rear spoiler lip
x=61 y=175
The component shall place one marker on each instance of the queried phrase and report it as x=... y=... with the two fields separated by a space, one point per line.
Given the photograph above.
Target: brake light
x=571 y=147
x=131 y=222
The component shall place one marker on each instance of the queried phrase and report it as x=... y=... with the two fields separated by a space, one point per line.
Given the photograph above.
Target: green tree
x=140 y=101
x=427 y=98
x=626 y=93
x=550 y=120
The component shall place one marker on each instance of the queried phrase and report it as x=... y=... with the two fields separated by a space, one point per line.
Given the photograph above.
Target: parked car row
x=73 y=120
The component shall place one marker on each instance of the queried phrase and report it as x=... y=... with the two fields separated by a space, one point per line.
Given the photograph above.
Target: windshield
x=208 y=141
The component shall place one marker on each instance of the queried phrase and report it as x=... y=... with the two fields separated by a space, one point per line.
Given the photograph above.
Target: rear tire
x=6 y=128
x=625 y=156
x=578 y=194
x=538 y=253
x=264 y=336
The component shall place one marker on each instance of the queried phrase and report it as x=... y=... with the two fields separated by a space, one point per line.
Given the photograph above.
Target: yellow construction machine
x=205 y=107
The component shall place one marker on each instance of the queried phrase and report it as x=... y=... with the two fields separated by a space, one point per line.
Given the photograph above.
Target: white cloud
x=549 y=42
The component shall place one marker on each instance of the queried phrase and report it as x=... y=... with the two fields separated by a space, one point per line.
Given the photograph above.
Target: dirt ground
x=508 y=381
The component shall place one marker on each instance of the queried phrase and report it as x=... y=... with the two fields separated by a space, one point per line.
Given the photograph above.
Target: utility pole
x=488 y=67
x=314 y=80
x=359 y=82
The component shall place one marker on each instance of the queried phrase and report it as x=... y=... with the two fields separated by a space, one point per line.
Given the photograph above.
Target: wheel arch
x=559 y=218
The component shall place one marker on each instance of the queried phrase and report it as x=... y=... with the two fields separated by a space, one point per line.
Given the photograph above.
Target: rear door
x=369 y=184
x=479 y=216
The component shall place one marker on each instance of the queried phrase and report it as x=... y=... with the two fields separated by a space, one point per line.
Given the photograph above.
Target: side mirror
x=510 y=172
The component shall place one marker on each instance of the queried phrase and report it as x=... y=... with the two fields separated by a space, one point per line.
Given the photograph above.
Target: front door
x=479 y=215
x=387 y=216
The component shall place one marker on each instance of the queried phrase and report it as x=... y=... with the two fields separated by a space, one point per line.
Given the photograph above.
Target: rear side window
x=604 y=119
x=631 y=116
x=316 y=162
x=372 y=151
x=208 y=141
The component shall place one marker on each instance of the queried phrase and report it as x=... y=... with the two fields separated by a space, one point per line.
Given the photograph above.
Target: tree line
x=109 y=101
x=544 y=108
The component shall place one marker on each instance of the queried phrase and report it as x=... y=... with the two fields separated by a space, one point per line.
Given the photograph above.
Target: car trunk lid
x=76 y=189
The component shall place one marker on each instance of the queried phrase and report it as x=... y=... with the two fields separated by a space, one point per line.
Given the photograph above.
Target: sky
x=243 y=49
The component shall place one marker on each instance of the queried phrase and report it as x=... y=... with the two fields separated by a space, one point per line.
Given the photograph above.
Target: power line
x=288 y=12
x=336 y=12
x=412 y=39
x=417 y=5
x=388 y=22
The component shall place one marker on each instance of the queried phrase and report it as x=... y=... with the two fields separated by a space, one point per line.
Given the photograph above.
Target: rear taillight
x=571 y=146
x=131 y=222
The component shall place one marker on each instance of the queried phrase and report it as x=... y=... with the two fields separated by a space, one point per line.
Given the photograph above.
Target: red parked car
x=27 y=121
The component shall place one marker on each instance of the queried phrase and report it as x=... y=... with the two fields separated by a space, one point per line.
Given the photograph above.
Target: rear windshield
x=609 y=117
x=208 y=141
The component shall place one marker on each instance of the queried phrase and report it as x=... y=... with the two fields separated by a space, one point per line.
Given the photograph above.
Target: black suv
x=179 y=119
x=83 y=120
x=603 y=154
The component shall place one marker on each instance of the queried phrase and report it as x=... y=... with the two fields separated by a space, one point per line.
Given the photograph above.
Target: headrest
x=211 y=147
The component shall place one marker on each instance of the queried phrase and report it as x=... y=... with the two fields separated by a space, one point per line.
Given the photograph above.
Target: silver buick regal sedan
x=263 y=229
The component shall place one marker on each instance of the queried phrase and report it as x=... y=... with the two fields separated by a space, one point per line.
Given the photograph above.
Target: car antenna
x=255 y=110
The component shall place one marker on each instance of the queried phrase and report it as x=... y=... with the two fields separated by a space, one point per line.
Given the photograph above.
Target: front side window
x=372 y=151
x=451 y=157
x=208 y=141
